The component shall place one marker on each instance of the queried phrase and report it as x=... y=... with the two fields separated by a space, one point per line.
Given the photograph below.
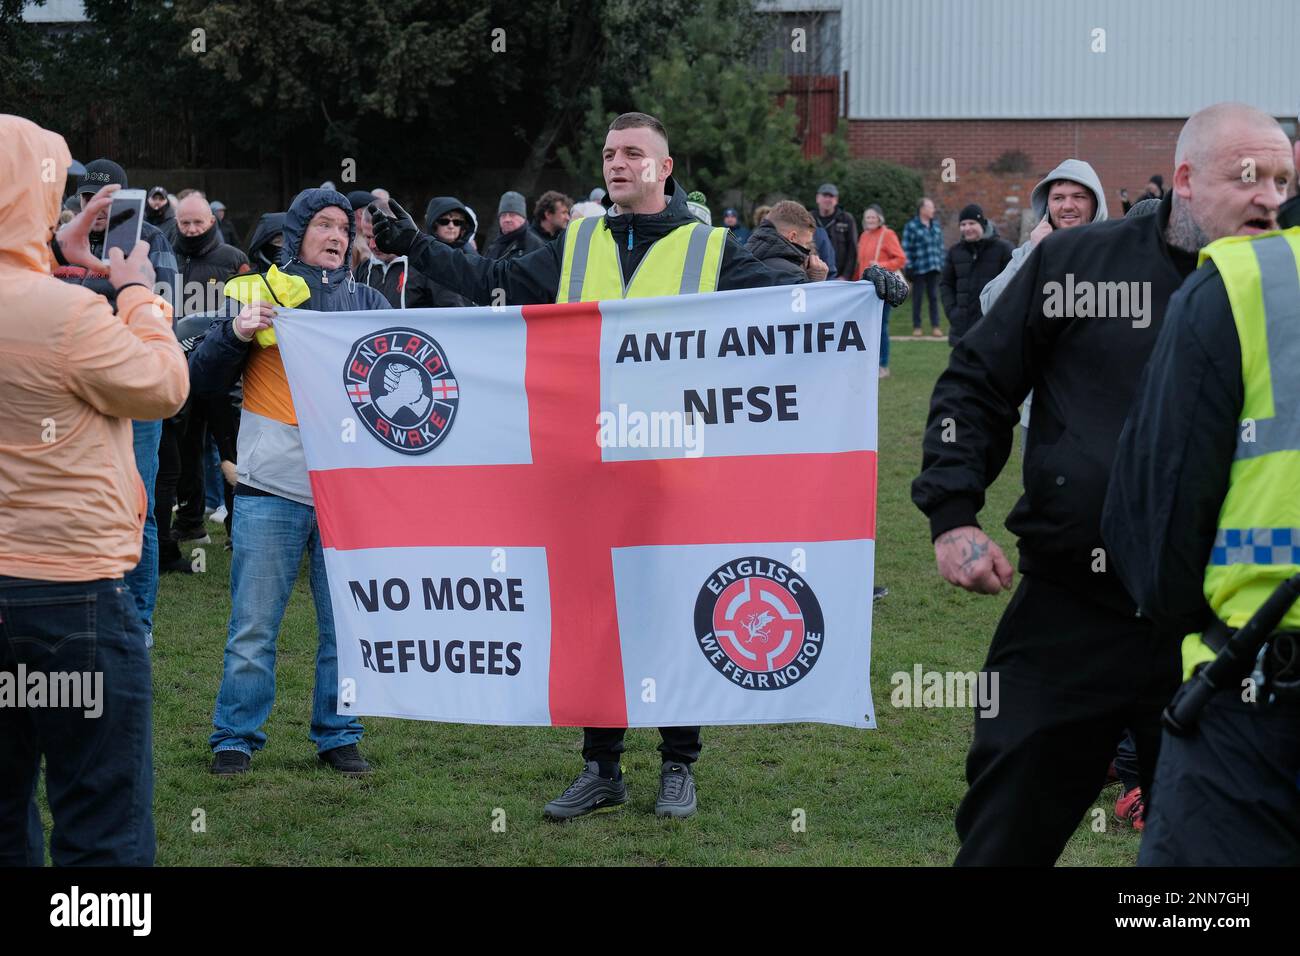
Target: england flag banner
x=634 y=513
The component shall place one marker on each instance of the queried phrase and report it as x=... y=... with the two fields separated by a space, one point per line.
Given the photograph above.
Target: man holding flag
x=275 y=517
x=648 y=244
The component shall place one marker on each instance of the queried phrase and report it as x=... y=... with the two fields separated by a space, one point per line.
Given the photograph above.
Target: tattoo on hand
x=977 y=548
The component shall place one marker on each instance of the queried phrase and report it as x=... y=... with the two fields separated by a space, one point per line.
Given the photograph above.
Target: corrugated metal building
x=1018 y=85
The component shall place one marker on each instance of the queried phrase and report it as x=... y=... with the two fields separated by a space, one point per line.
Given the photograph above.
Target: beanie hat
x=514 y=202
x=973 y=211
x=698 y=205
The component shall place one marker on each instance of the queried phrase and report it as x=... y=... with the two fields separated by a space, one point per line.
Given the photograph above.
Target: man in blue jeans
x=73 y=373
x=275 y=521
x=923 y=245
x=142 y=580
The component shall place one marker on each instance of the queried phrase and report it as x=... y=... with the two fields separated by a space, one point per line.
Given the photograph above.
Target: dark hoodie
x=218 y=362
x=533 y=278
x=163 y=218
x=779 y=254
x=423 y=292
x=261 y=253
x=270 y=456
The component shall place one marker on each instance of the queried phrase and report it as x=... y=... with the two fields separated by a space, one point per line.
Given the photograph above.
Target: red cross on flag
x=650 y=512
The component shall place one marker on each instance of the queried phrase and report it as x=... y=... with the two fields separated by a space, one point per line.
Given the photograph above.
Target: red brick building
x=997 y=92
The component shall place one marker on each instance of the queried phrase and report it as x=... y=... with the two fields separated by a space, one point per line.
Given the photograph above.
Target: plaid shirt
x=923 y=247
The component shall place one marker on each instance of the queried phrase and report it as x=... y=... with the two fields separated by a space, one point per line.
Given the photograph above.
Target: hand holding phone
x=74 y=236
x=1041 y=231
x=124 y=270
x=125 y=220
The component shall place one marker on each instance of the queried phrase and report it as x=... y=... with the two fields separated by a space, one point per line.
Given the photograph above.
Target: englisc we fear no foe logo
x=402 y=388
x=759 y=623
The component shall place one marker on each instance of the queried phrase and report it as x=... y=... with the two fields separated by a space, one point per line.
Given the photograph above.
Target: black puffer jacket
x=967 y=269
x=776 y=252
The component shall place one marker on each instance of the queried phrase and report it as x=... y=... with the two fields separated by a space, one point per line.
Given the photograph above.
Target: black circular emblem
x=759 y=623
x=402 y=388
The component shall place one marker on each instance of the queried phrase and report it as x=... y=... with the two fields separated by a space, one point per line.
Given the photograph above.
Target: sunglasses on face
x=447 y=221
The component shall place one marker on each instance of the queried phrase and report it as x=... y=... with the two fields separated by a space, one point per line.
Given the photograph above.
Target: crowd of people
x=171 y=405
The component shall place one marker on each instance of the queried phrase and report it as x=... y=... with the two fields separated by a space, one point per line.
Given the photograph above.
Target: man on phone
x=143 y=579
x=74 y=371
x=1070 y=195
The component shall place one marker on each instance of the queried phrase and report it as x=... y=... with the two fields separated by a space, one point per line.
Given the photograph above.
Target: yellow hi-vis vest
x=686 y=260
x=1257 y=545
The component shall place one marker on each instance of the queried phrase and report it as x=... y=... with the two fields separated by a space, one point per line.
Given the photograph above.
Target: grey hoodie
x=1076 y=171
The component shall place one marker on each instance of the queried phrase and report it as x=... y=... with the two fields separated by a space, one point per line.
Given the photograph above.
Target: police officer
x=1076 y=663
x=647 y=244
x=1203 y=514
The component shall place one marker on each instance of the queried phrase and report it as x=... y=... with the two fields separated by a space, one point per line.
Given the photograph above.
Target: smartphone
x=125 y=219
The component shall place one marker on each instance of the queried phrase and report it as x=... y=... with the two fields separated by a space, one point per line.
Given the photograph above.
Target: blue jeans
x=884 y=336
x=98 y=754
x=270 y=535
x=143 y=578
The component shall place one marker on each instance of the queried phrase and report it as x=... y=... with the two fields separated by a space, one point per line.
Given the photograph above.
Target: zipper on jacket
x=630 y=227
x=324 y=277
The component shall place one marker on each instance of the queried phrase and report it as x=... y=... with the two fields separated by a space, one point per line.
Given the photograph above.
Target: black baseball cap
x=100 y=173
x=360 y=199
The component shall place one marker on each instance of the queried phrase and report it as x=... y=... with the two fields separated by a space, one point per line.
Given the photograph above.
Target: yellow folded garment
x=275 y=286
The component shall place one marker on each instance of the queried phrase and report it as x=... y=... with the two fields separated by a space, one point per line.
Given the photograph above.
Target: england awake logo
x=759 y=623
x=401 y=386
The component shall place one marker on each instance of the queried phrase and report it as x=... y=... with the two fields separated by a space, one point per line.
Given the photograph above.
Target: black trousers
x=1228 y=791
x=605 y=744
x=1072 y=676
x=169 y=471
x=929 y=281
x=192 y=448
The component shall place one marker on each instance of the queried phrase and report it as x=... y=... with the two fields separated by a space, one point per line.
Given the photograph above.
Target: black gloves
x=396 y=233
x=889 y=287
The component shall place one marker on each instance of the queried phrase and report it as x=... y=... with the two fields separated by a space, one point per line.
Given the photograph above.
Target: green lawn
x=870 y=797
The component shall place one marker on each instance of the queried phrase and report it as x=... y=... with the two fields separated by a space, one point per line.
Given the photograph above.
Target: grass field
x=869 y=797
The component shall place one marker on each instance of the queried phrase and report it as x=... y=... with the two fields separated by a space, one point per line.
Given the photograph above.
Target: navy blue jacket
x=217 y=363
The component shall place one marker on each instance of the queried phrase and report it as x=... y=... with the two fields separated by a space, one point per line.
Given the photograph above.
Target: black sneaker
x=347 y=760
x=588 y=794
x=878 y=592
x=179 y=566
x=227 y=763
x=676 y=791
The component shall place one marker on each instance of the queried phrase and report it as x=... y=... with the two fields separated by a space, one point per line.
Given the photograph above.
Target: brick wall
x=1124 y=153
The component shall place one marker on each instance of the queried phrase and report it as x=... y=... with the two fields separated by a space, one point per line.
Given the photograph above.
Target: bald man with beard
x=1077 y=660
